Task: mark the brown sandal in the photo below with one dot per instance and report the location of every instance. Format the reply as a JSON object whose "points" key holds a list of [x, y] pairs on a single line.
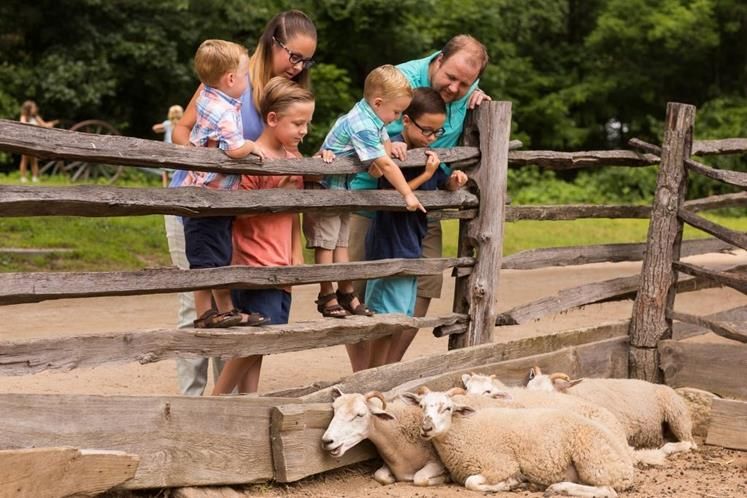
{"points": [[346, 299], [330, 310], [252, 319], [211, 319]]}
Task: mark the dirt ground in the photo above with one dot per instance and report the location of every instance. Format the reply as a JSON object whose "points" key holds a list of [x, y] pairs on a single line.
{"points": [[709, 472]]}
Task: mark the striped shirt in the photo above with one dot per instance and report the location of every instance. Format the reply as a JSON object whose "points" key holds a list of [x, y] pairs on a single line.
{"points": [[218, 120], [360, 133]]}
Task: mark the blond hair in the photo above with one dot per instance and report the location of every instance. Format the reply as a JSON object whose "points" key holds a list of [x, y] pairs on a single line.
{"points": [[283, 27], [280, 93], [387, 82], [175, 113], [214, 58]]}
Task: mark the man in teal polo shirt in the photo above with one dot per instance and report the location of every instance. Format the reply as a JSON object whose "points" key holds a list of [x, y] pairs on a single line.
{"points": [[454, 73]]}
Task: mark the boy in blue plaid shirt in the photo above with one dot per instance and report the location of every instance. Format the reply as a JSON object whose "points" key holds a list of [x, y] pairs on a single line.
{"points": [[359, 133]]}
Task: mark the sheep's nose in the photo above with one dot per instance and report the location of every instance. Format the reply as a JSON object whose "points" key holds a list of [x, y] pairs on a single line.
{"points": [[327, 441]]}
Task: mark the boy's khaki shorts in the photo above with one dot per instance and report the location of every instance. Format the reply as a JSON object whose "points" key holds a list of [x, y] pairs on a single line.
{"points": [[326, 231]]}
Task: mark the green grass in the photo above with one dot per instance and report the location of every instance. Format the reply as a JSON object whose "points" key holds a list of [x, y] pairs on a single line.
{"points": [[136, 242]]}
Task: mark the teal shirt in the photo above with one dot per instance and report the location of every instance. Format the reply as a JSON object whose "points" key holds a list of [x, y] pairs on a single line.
{"points": [[416, 73]]}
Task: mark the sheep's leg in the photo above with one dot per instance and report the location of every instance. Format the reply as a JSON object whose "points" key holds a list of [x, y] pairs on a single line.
{"points": [[384, 475], [654, 457], [580, 490], [671, 448], [477, 482], [433, 473], [677, 416]]}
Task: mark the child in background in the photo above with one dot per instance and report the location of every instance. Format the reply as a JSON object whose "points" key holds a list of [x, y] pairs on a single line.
{"points": [[400, 235], [269, 239], [167, 127], [359, 133], [30, 115], [223, 68]]}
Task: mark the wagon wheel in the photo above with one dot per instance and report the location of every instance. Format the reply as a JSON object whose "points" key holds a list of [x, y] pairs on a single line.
{"points": [[81, 170]]}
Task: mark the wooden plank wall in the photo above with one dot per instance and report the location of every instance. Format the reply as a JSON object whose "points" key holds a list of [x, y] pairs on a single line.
{"points": [[181, 441]]}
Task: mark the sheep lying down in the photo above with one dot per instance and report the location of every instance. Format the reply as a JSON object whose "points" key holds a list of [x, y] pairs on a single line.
{"points": [[644, 409], [394, 428], [499, 449], [489, 386]]}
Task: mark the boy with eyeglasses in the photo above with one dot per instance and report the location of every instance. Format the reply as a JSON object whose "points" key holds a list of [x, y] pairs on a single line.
{"points": [[400, 234]]}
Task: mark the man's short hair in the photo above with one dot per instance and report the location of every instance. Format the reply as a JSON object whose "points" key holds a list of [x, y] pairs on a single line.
{"points": [[214, 58], [477, 54], [425, 100], [386, 82]]}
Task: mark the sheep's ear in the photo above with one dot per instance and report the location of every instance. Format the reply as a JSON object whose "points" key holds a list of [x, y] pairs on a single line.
{"points": [[382, 414], [534, 372], [463, 410], [504, 395], [466, 378], [563, 385], [410, 398], [336, 393]]}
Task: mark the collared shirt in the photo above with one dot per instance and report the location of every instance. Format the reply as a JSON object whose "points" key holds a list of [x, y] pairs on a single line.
{"points": [[360, 132], [219, 120], [416, 72]]}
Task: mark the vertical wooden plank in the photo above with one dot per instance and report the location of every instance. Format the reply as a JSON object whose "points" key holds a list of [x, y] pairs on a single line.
{"points": [[649, 323], [476, 294], [728, 424], [296, 434]]}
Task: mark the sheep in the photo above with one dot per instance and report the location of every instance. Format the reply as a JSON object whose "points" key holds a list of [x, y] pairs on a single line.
{"points": [[491, 386], [394, 428], [498, 449], [643, 408]]}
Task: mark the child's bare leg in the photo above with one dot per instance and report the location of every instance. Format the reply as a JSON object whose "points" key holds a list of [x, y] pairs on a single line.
{"points": [[379, 351], [325, 257], [23, 167], [400, 342], [250, 381], [232, 373], [203, 301], [223, 300], [359, 354], [34, 167]]}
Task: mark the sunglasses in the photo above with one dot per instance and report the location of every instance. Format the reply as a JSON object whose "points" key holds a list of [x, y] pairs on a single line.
{"points": [[427, 132], [293, 57]]}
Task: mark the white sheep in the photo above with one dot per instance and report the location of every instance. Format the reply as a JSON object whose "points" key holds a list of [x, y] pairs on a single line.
{"points": [[643, 408], [394, 428], [532, 398], [497, 449]]}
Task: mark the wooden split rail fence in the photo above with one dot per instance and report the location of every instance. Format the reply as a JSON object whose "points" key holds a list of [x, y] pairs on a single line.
{"points": [[183, 441]]}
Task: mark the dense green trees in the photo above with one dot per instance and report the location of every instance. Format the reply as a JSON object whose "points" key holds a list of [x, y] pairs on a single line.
{"points": [[581, 74]]}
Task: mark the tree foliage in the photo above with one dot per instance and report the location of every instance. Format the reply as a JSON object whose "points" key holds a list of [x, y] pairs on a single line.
{"points": [[581, 74]]}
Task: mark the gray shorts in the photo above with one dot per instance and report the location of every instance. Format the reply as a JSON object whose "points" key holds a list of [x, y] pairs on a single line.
{"points": [[326, 231]]}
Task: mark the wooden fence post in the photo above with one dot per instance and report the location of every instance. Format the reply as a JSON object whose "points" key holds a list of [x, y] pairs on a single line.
{"points": [[476, 293], [649, 323]]}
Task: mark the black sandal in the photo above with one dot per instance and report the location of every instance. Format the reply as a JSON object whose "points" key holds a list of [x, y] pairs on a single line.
{"points": [[327, 310], [346, 299]]}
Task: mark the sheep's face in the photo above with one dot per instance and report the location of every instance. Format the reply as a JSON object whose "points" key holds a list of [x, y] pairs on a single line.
{"points": [[559, 382], [484, 385], [351, 422], [438, 409]]}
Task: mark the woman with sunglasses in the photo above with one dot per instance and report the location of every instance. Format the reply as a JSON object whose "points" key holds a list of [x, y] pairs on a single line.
{"points": [[285, 49]]}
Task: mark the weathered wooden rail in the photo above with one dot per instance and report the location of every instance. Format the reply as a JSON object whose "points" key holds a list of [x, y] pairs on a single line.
{"points": [[193, 441]]}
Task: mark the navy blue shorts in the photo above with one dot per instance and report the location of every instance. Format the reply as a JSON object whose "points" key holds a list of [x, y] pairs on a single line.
{"points": [[273, 303], [208, 241]]}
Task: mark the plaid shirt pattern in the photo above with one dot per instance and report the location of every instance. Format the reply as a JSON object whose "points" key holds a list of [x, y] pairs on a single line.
{"points": [[359, 132], [219, 120]]}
